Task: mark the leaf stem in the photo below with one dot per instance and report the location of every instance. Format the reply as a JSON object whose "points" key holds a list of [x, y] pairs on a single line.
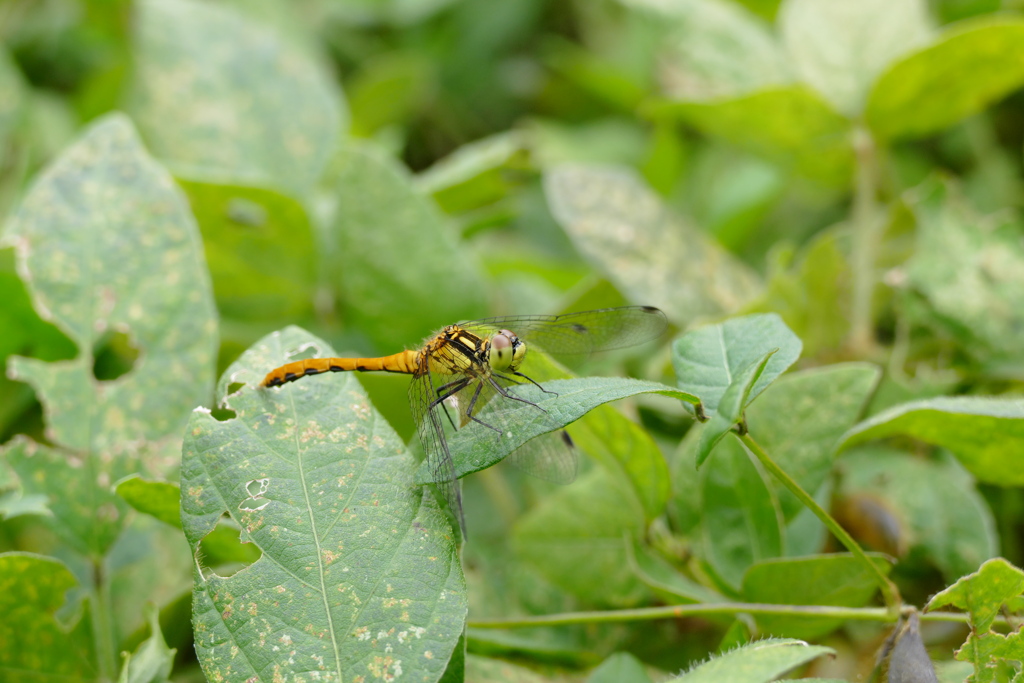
{"points": [[880, 614], [890, 593], [103, 623], [866, 225]]}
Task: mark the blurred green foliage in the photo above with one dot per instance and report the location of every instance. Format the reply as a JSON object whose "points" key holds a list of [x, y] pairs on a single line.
{"points": [[180, 179]]}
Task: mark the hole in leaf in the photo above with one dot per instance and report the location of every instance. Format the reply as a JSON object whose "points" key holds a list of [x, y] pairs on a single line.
{"points": [[223, 414], [114, 355], [223, 551], [246, 213], [234, 387]]}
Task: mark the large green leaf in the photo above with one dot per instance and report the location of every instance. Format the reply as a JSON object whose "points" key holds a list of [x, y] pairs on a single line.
{"points": [[652, 255], [758, 662], [37, 647], [985, 434], [978, 293], [260, 250], [839, 48], [105, 243], [594, 518], [399, 268], [741, 521], [475, 447], [945, 517], [716, 49], [708, 359], [253, 109], [790, 124], [801, 418], [359, 574], [969, 66], [838, 580], [11, 97]]}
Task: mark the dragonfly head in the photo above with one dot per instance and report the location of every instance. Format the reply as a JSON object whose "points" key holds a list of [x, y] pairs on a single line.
{"points": [[507, 351]]}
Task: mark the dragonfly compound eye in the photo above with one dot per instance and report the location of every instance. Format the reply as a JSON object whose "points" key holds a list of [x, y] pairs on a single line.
{"points": [[507, 351]]}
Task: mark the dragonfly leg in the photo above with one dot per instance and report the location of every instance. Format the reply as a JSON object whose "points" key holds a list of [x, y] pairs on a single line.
{"points": [[472, 405], [448, 390], [534, 383], [504, 392]]}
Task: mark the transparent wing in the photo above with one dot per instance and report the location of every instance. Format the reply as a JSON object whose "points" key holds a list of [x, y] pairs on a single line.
{"points": [[492, 408], [552, 457], [429, 416], [582, 332]]}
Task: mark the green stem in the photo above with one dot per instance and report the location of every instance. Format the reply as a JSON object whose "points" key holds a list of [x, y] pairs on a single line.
{"points": [[889, 591], [880, 614], [103, 624], [866, 232]]}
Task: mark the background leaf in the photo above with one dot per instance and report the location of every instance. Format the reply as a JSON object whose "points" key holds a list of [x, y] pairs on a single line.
{"points": [[620, 225], [967, 67], [983, 433], [390, 303], [251, 110]]}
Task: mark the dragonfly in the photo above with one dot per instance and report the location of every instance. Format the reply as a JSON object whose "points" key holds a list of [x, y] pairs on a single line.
{"points": [[474, 368]]}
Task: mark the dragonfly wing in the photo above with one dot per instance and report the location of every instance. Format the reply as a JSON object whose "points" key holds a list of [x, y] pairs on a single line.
{"points": [[498, 410], [582, 332], [428, 413], [552, 457]]}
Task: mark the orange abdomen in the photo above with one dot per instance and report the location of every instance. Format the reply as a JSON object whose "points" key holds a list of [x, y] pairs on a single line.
{"points": [[404, 362]]}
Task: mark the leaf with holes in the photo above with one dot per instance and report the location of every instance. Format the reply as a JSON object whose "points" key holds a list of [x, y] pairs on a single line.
{"points": [[105, 244], [359, 575]]}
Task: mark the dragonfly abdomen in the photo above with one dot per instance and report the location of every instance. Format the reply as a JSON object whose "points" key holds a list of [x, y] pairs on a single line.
{"points": [[403, 362]]}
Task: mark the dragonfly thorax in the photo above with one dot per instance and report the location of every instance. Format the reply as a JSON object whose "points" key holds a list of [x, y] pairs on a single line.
{"points": [[506, 351]]}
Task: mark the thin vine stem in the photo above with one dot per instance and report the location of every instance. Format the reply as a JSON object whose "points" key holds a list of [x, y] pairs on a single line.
{"points": [[879, 614], [890, 593]]}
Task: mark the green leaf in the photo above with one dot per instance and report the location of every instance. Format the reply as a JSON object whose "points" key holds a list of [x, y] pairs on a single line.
{"points": [[730, 410], [979, 291], [359, 571], [392, 299], [12, 98], [985, 434], [838, 580], [813, 293], [741, 521], [36, 646], [620, 667], [594, 517], [716, 49], [801, 418], [945, 516], [486, 670], [160, 499], [619, 444], [152, 660], [790, 124], [105, 243], [839, 48], [475, 174], [969, 66], [982, 593], [475, 447], [672, 585], [253, 110], [650, 254], [260, 250], [763, 660], [708, 359]]}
